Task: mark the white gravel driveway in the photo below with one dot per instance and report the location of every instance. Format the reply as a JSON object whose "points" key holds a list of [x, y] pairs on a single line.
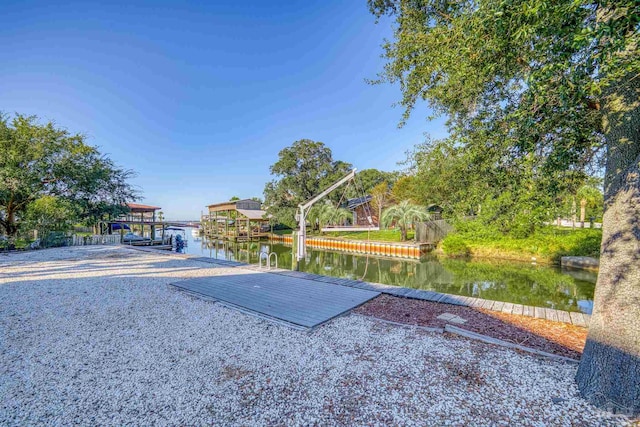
{"points": [[95, 336]]}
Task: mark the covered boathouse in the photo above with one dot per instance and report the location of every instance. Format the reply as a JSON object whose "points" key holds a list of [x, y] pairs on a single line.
{"points": [[138, 219], [236, 220]]}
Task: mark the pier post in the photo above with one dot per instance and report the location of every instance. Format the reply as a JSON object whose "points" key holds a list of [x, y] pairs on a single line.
{"points": [[294, 251]]}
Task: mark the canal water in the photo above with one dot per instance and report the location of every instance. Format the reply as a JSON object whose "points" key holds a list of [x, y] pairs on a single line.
{"points": [[515, 282]]}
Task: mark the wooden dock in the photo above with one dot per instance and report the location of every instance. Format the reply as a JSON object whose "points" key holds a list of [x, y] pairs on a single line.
{"points": [[298, 301]]}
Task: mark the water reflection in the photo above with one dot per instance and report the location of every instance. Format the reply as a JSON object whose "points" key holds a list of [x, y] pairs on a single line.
{"points": [[520, 283]]}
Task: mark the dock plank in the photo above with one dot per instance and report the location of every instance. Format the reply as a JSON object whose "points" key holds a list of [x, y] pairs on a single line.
{"points": [[488, 304], [507, 308], [577, 319], [517, 309], [551, 314], [467, 301], [563, 316], [476, 302], [498, 306]]}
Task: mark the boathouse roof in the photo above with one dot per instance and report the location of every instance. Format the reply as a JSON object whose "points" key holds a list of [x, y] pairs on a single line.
{"points": [[248, 204], [137, 207], [253, 213], [248, 208]]}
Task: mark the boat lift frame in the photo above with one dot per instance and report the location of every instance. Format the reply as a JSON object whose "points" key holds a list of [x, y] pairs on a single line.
{"points": [[303, 210]]}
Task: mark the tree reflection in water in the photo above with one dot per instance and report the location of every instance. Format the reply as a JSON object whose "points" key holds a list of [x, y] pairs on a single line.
{"points": [[521, 283]]}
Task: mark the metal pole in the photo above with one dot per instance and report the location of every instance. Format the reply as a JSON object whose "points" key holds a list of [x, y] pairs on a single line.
{"points": [[302, 236]]}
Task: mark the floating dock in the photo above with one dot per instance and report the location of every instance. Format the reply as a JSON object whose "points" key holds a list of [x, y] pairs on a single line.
{"points": [[298, 301]]}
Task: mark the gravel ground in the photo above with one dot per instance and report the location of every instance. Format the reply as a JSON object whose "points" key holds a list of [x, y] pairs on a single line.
{"points": [[94, 336]]}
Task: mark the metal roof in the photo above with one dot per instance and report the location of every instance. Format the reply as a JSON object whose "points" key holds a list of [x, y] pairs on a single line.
{"points": [[253, 213], [137, 207], [354, 203], [231, 202]]}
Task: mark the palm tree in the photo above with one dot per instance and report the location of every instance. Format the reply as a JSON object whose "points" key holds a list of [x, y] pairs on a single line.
{"points": [[335, 216], [590, 197], [325, 213], [320, 214], [404, 215]]}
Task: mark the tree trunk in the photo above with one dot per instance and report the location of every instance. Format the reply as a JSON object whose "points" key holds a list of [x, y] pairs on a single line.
{"points": [[609, 371], [403, 233], [10, 227]]}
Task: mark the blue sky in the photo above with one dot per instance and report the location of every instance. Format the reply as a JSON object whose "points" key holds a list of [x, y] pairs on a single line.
{"points": [[199, 97]]}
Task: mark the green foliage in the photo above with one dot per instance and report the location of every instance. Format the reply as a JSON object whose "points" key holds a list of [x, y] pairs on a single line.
{"points": [[368, 179], [54, 239], [282, 232], [380, 195], [547, 244], [593, 198], [405, 188], [404, 215], [41, 160], [445, 177], [521, 83], [48, 214], [303, 170], [326, 214], [456, 244]]}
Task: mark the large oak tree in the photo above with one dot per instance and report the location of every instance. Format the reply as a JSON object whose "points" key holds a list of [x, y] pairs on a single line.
{"points": [[545, 87], [39, 160], [302, 171]]}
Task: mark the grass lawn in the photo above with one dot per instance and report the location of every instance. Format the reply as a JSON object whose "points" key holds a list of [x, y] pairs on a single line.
{"points": [[282, 232], [379, 236]]}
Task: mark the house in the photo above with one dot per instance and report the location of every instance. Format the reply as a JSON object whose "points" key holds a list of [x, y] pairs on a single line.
{"points": [[435, 211], [363, 214]]}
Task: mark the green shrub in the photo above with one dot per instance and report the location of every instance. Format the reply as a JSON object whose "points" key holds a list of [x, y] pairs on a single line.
{"points": [[546, 244], [456, 245], [55, 239]]}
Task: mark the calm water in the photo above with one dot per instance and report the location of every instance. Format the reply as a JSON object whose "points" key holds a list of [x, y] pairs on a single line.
{"points": [[520, 283]]}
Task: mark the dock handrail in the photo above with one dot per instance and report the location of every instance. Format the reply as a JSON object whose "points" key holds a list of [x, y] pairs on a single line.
{"points": [[267, 259]]}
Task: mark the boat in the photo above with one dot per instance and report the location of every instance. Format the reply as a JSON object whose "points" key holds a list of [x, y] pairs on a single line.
{"points": [[134, 239]]}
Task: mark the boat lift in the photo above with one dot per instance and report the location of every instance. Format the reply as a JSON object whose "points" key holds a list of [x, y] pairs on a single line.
{"points": [[303, 210]]}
